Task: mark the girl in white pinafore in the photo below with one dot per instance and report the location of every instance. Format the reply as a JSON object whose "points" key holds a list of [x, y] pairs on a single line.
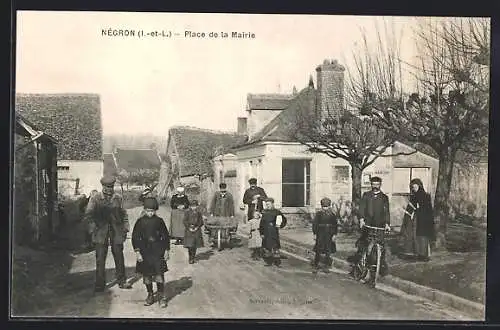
{"points": [[254, 239]]}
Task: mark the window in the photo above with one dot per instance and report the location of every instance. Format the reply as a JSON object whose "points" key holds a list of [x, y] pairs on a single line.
{"points": [[403, 175], [296, 182], [341, 174], [63, 168]]}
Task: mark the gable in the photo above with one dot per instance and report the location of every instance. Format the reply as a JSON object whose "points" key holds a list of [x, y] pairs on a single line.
{"points": [[74, 120], [280, 128]]}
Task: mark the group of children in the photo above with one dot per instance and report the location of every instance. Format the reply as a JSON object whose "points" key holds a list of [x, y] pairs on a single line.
{"points": [[151, 240], [263, 238]]}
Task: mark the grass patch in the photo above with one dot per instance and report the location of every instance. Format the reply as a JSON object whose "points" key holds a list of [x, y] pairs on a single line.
{"points": [[465, 276]]}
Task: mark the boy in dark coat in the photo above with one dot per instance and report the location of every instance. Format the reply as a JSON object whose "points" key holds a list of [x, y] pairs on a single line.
{"points": [[151, 243], [325, 230], [193, 221], [270, 223]]}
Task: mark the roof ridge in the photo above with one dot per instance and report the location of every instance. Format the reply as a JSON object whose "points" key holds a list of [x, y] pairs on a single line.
{"points": [[272, 95], [207, 130], [58, 94]]}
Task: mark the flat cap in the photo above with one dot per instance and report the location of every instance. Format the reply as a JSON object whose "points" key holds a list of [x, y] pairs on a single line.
{"points": [[326, 202], [269, 199], [252, 181], [108, 181]]}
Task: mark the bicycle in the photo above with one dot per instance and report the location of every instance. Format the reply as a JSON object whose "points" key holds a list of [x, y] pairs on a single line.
{"points": [[362, 267]]}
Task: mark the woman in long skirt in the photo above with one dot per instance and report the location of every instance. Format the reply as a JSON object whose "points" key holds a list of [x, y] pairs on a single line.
{"points": [[179, 204], [418, 224]]}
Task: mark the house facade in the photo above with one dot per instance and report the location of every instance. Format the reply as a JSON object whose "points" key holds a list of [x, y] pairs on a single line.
{"points": [[189, 161], [35, 184], [298, 179], [74, 120]]}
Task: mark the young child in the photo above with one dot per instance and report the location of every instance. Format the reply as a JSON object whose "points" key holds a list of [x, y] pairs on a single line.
{"points": [[254, 239], [325, 229], [270, 223], [193, 221], [151, 243]]}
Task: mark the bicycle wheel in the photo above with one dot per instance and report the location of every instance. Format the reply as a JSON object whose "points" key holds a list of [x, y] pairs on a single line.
{"points": [[376, 274], [219, 239], [360, 268]]}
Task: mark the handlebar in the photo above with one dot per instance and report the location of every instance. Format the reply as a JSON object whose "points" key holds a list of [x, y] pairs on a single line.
{"points": [[376, 228]]}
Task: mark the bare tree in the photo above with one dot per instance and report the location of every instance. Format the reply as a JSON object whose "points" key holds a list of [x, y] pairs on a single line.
{"points": [[449, 107], [341, 134]]}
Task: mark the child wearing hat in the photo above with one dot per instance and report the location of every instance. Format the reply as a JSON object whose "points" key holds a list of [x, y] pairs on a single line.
{"points": [[271, 221], [151, 243], [254, 239], [325, 230], [193, 221]]}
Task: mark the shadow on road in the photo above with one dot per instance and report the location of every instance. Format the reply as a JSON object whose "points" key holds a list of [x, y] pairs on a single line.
{"points": [[176, 287], [205, 255], [43, 286]]}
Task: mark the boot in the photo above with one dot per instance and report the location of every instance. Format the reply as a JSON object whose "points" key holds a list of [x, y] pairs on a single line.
{"points": [[149, 299]]}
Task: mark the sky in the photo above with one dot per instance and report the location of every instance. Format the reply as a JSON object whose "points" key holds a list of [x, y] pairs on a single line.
{"points": [[149, 84]]}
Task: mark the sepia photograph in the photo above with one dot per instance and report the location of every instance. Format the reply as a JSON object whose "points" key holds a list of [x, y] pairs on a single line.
{"points": [[249, 166]]}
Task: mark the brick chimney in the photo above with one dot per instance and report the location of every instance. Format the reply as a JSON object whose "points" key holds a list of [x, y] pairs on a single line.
{"points": [[242, 125], [330, 84]]}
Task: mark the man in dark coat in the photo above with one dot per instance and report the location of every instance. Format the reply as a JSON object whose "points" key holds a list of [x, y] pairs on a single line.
{"points": [[151, 243], [193, 221], [373, 211], [222, 204], [179, 204], [253, 198], [108, 224], [325, 229], [271, 221]]}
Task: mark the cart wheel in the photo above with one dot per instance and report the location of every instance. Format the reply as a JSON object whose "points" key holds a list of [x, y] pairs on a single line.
{"points": [[219, 239]]}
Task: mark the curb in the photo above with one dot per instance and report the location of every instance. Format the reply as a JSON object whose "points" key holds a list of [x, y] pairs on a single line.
{"points": [[444, 298]]}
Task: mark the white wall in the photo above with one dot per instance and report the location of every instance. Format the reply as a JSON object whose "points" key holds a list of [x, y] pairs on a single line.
{"points": [[257, 119], [89, 173], [323, 183]]}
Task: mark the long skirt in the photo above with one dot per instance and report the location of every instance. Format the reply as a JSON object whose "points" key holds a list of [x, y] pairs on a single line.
{"points": [[408, 236], [177, 228], [423, 248]]}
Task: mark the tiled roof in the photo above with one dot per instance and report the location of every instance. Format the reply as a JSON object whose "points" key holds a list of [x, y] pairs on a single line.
{"points": [[279, 129], [74, 120], [134, 159], [109, 165], [268, 101], [196, 147]]}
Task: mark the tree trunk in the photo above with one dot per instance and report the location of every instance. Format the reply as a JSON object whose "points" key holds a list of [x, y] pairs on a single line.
{"points": [[441, 200], [356, 175]]}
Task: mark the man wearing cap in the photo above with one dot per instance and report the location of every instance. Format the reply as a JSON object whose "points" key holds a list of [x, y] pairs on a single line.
{"points": [[253, 198], [222, 204], [374, 212], [179, 204], [108, 225]]}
